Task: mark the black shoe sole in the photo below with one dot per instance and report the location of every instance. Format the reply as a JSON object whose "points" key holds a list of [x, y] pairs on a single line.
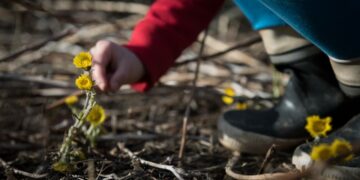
{"points": [[239, 140]]}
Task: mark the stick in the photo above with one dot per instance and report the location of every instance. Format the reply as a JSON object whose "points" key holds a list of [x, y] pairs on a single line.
{"points": [[36, 79], [5, 165], [107, 6], [34, 7], [193, 91], [62, 101], [268, 176], [131, 136], [37, 45], [174, 170], [220, 53], [236, 56], [269, 154]]}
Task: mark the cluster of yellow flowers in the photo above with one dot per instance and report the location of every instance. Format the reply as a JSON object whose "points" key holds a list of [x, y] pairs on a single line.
{"points": [[339, 149], [229, 99], [91, 112], [83, 61]]}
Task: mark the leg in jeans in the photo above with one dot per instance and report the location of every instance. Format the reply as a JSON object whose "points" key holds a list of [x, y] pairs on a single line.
{"points": [[312, 89], [333, 26]]}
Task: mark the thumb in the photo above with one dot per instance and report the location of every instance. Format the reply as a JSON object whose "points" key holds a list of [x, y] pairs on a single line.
{"points": [[101, 58], [117, 79]]}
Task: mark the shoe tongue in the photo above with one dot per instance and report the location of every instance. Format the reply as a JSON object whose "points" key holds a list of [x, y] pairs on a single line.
{"points": [[350, 131], [353, 163]]}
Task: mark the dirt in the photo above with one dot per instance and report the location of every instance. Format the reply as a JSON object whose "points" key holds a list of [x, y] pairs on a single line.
{"points": [[148, 124]]}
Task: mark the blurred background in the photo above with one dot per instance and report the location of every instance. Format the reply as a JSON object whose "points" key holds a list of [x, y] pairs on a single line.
{"points": [[38, 40]]}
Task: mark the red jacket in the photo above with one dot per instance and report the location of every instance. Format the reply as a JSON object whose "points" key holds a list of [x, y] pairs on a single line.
{"points": [[167, 29]]}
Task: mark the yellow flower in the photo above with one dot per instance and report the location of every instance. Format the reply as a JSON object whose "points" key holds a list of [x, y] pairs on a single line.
{"points": [[70, 100], [78, 154], [228, 99], [321, 152], [62, 167], [96, 116], [342, 148], [84, 82], [83, 60], [317, 126], [241, 106]]}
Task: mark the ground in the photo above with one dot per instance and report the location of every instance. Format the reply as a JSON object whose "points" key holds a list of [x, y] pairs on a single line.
{"points": [[38, 42]]}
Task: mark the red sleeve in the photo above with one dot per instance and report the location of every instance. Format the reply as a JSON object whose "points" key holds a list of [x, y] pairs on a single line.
{"points": [[167, 29]]}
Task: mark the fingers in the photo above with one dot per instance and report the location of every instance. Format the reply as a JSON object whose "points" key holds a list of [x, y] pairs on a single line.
{"points": [[114, 65], [117, 79], [101, 53]]}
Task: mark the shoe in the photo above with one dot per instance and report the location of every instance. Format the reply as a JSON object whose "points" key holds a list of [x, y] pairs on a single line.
{"points": [[346, 171], [311, 90]]}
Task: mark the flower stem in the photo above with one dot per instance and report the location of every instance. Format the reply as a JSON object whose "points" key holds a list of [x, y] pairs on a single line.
{"points": [[79, 122]]}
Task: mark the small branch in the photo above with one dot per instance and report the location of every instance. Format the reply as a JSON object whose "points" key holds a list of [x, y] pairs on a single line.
{"points": [[174, 170], [131, 136], [37, 45], [36, 79], [269, 176], [34, 7], [193, 91], [62, 101], [220, 53], [5, 165], [267, 158]]}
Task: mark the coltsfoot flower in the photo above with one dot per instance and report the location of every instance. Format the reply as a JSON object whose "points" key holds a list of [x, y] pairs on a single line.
{"points": [[229, 94], [321, 152], [62, 167], [241, 106], [318, 127], [70, 100], [84, 82], [342, 148], [96, 116], [78, 154], [83, 60]]}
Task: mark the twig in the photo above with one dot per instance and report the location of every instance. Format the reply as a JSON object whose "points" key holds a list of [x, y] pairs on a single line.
{"points": [[5, 165], [37, 45], [36, 79], [18, 146], [91, 169], [101, 5], [236, 56], [34, 7], [131, 136], [220, 53], [193, 91], [174, 170], [267, 158], [268, 176]]}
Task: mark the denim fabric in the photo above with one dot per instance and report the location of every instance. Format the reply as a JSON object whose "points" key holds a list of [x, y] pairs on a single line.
{"points": [[259, 16], [331, 25]]}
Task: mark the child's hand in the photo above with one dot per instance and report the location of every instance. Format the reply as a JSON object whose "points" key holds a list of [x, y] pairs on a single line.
{"points": [[114, 65]]}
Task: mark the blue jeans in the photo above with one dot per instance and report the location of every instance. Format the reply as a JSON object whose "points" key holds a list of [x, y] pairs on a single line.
{"points": [[331, 25]]}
